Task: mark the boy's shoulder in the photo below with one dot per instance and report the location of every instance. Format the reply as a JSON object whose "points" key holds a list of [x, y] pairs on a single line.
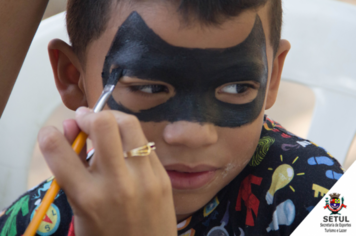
{"points": [[287, 175], [280, 149], [15, 219]]}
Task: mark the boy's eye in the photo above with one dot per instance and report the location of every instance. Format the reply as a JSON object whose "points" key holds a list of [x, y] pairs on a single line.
{"points": [[238, 93], [235, 88], [150, 88], [137, 94]]}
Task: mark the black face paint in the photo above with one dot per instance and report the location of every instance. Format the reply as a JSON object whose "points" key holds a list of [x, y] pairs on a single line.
{"points": [[194, 73]]}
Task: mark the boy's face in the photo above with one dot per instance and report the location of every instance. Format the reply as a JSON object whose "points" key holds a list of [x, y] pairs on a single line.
{"points": [[201, 105]]}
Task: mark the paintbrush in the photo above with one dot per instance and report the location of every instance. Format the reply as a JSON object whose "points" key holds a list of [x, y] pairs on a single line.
{"points": [[77, 146]]}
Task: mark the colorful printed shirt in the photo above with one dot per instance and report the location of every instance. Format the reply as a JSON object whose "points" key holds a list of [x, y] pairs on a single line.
{"points": [[286, 177]]}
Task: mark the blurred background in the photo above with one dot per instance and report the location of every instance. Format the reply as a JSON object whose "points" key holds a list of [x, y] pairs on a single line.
{"points": [[293, 109]]}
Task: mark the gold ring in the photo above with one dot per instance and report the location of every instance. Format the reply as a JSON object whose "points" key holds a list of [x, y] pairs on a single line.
{"points": [[141, 151]]}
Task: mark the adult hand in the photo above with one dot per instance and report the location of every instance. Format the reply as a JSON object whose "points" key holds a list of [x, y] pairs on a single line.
{"points": [[114, 195]]}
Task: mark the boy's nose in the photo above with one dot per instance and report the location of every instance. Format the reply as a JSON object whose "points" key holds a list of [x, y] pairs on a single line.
{"points": [[190, 134]]}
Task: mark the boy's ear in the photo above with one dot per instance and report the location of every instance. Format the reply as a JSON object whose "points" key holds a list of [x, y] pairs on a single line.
{"points": [[68, 74], [278, 63]]}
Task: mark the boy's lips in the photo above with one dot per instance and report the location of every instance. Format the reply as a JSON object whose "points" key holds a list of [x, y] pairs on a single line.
{"points": [[185, 177]]}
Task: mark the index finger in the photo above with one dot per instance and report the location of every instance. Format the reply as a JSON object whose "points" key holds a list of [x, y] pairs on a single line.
{"points": [[66, 166]]}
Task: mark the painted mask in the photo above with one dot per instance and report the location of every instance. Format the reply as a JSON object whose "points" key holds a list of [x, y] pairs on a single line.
{"points": [[193, 72]]}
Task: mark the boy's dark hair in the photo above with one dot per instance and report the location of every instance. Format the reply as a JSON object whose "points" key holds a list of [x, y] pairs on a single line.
{"points": [[87, 19]]}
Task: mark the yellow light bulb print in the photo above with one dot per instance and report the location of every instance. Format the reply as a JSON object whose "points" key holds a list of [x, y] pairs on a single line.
{"points": [[280, 178]]}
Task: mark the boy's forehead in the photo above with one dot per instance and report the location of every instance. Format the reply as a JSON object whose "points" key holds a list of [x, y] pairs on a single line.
{"points": [[167, 23]]}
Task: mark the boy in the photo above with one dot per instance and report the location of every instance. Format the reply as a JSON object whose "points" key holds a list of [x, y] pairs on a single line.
{"points": [[196, 82]]}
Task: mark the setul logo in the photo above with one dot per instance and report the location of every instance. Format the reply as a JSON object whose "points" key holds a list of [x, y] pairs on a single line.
{"points": [[335, 205], [335, 222]]}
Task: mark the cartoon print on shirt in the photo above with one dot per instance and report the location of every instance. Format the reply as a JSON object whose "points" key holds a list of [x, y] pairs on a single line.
{"points": [[285, 135], [220, 230], [333, 175], [50, 222], [304, 143], [287, 147], [242, 233], [319, 189], [283, 215], [210, 207], [184, 223], [322, 160], [270, 125], [273, 126], [213, 216], [281, 177], [262, 148], [71, 228], [190, 232], [310, 208], [251, 201], [10, 228], [299, 144], [44, 189]]}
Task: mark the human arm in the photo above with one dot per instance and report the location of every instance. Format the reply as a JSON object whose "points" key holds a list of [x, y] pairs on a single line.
{"points": [[132, 196], [19, 21]]}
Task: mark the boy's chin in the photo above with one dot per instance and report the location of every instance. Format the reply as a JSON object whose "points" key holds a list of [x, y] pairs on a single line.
{"points": [[187, 204], [189, 200]]}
